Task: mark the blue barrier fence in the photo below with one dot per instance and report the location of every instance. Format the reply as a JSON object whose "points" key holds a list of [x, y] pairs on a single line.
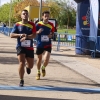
{"points": [[5, 30], [92, 45], [64, 39], [86, 45]]}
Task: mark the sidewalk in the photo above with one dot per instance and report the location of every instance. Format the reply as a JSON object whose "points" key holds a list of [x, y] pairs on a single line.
{"points": [[62, 82], [83, 64]]}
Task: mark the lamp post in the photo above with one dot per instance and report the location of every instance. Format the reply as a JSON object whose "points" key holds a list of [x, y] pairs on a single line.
{"points": [[40, 10], [10, 16], [0, 3]]}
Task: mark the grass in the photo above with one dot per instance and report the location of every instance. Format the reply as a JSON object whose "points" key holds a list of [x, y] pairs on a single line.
{"points": [[64, 40], [70, 31]]}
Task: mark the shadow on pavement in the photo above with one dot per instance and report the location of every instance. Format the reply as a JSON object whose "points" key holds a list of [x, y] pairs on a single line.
{"points": [[5, 97], [12, 52], [77, 83], [8, 60], [68, 55]]}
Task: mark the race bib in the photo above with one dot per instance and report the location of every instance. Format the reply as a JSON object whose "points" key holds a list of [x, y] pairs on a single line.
{"points": [[44, 38], [26, 43]]}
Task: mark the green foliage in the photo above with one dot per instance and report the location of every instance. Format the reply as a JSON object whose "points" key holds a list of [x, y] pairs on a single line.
{"points": [[5, 12], [64, 12], [64, 30], [59, 9]]}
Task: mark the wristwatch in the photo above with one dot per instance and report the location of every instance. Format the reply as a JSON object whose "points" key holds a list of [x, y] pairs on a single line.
{"points": [[26, 36], [20, 35]]}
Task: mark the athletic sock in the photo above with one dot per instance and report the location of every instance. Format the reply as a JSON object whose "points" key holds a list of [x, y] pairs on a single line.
{"points": [[43, 67], [22, 79], [38, 71]]}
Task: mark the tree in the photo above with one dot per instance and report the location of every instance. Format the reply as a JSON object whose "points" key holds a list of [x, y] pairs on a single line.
{"points": [[59, 9], [67, 15], [24, 3], [54, 8], [5, 11]]}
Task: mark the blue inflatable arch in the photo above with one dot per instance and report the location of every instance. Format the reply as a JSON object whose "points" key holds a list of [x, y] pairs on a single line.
{"points": [[86, 25]]}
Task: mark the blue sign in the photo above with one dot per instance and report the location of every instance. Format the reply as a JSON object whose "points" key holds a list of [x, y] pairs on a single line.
{"points": [[82, 27]]}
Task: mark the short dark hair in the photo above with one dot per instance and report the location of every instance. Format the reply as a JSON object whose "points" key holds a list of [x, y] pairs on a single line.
{"points": [[45, 12], [25, 10]]}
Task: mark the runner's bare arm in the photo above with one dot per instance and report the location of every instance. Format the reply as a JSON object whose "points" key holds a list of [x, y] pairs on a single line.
{"points": [[28, 37], [39, 31], [15, 35], [33, 35]]}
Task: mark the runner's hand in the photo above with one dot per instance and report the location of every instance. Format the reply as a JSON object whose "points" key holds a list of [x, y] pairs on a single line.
{"points": [[22, 39], [50, 35], [40, 30], [22, 35]]}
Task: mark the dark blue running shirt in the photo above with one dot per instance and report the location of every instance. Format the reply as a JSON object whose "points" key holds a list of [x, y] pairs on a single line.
{"points": [[20, 28], [42, 39]]}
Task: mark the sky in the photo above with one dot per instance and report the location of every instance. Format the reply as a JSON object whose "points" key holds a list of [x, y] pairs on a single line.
{"points": [[5, 1]]}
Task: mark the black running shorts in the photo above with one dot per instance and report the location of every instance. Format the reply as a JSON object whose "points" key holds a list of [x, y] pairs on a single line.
{"points": [[27, 52], [41, 50]]}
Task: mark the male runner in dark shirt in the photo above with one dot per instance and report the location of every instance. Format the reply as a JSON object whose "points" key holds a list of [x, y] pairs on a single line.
{"points": [[24, 31], [45, 30]]}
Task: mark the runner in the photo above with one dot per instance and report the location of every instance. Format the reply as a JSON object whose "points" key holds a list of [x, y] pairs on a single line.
{"points": [[44, 33], [24, 31]]}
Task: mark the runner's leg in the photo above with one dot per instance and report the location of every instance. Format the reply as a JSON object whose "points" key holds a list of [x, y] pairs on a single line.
{"points": [[21, 59], [30, 63], [46, 58], [39, 53], [29, 60], [45, 63], [39, 60]]}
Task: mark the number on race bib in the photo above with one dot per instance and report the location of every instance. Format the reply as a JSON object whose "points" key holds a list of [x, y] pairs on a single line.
{"points": [[44, 38], [26, 43]]}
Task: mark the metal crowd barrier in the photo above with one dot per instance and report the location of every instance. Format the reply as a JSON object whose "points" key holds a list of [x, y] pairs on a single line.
{"points": [[5, 30], [87, 44], [98, 44], [92, 44], [64, 39], [0, 29]]}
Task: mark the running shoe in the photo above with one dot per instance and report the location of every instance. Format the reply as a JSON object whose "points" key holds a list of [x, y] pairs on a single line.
{"points": [[43, 72], [21, 84], [28, 70], [38, 76]]}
